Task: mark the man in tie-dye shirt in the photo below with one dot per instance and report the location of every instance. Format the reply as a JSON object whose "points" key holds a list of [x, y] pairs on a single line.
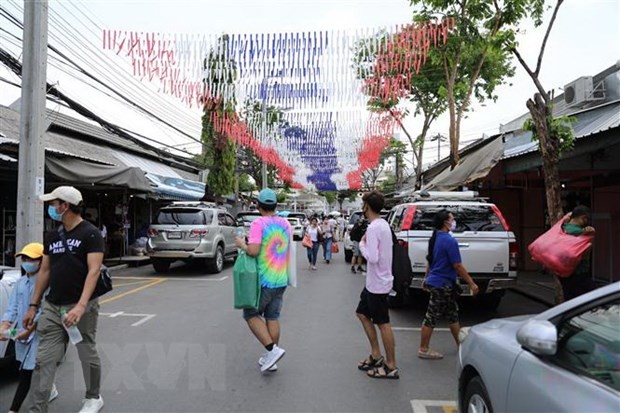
{"points": [[269, 241]]}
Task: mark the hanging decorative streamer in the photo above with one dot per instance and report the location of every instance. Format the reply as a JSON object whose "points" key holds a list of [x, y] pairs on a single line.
{"points": [[316, 84]]}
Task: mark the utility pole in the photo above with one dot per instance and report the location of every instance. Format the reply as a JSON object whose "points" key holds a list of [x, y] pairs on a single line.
{"points": [[31, 178], [264, 165]]}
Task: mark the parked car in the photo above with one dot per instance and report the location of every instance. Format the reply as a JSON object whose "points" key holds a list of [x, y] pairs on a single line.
{"points": [[192, 230], [246, 218], [348, 244], [566, 359], [297, 228], [488, 248], [8, 278]]}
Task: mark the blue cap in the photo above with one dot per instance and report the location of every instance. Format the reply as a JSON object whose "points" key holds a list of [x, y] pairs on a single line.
{"points": [[267, 197]]}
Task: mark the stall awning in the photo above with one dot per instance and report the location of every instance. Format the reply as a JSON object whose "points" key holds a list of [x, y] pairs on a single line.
{"points": [[78, 171], [176, 189], [475, 165]]}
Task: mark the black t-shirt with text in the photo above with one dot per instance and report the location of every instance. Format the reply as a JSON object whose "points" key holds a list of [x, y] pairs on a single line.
{"points": [[68, 271]]}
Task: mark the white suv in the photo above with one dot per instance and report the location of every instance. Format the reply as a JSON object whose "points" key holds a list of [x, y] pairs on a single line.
{"points": [[488, 248]]}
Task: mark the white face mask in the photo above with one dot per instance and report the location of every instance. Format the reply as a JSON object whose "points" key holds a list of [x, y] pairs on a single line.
{"points": [[453, 226]]}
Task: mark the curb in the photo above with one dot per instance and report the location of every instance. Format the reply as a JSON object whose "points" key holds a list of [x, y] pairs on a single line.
{"points": [[118, 267], [533, 297]]}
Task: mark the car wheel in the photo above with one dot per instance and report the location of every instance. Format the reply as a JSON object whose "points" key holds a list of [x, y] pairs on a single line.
{"points": [[216, 264], [476, 397], [160, 264], [348, 255]]}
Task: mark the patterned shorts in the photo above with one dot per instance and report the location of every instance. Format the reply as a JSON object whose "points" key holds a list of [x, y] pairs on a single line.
{"points": [[442, 304]]}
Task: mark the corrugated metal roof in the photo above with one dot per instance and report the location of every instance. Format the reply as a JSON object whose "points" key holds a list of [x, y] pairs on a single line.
{"points": [[7, 158], [588, 123]]}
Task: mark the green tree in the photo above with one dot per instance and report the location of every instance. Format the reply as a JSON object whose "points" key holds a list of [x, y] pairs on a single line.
{"points": [[343, 194], [423, 89], [370, 176], [330, 196], [282, 196], [554, 135], [218, 148], [245, 185], [475, 60]]}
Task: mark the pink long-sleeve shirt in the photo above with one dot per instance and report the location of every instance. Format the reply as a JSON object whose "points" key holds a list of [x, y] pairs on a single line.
{"points": [[377, 249]]}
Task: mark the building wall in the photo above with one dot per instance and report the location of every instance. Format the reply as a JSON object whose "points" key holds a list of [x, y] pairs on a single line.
{"points": [[606, 221]]}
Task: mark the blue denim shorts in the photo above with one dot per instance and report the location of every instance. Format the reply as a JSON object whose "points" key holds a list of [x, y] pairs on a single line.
{"points": [[269, 306]]}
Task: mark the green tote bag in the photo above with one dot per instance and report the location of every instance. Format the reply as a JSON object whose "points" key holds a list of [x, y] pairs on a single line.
{"points": [[247, 284]]}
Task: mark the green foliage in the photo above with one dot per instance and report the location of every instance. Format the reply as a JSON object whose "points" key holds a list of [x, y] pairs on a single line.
{"points": [[281, 196], [389, 185], [560, 129], [219, 150], [330, 196], [245, 185]]}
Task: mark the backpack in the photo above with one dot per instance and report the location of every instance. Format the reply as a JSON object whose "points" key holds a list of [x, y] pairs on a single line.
{"points": [[358, 230], [401, 267]]}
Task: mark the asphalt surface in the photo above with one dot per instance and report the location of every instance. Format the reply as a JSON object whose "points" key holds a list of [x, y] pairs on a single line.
{"points": [[173, 343]]}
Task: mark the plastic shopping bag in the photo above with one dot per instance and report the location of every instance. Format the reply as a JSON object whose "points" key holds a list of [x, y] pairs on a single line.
{"points": [[292, 264], [558, 251], [246, 282], [335, 248]]}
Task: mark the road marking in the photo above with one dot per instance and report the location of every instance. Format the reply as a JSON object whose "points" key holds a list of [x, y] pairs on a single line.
{"points": [[132, 283], [145, 317], [420, 406], [171, 278], [135, 290], [440, 329]]}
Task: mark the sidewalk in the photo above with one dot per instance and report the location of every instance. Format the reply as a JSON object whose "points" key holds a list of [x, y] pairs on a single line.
{"points": [[536, 286]]}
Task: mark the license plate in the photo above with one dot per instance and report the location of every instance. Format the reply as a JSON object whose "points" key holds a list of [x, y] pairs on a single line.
{"points": [[174, 235]]}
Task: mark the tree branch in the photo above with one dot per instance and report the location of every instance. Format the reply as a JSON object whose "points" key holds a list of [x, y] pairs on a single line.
{"points": [[544, 43], [533, 75]]}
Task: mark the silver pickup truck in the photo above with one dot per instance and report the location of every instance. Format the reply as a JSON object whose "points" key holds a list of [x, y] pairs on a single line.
{"points": [[488, 248]]}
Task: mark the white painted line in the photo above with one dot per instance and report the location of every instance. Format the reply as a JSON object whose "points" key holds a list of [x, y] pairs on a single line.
{"points": [[116, 314], [144, 320], [419, 406], [440, 329], [197, 279]]}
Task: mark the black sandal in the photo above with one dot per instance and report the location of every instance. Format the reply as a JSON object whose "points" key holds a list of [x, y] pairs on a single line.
{"points": [[384, 372], [370, 363]]}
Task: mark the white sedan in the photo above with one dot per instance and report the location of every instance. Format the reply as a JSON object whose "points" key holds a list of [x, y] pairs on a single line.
{"points": [[8, 278]]}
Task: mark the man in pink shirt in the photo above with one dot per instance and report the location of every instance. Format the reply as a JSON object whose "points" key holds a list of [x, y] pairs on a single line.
{"points": [[376, 247]]}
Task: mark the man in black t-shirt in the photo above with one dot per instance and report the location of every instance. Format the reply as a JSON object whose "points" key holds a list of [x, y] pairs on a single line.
{"points": [[70, 268]]}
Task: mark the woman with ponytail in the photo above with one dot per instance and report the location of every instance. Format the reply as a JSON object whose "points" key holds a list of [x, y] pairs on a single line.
{"points": [[444, 264]]}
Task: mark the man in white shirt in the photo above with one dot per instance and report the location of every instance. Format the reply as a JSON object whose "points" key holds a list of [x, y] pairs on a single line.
{"points": [[376, 247]]}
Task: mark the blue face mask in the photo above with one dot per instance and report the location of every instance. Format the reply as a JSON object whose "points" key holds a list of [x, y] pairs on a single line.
{"points": [[30, 267], [53, 213]]}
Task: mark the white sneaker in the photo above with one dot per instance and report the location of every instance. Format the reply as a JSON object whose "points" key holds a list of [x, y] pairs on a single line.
{"points": [[91, 405], [53, 394], [261, 361], [272, 357]]}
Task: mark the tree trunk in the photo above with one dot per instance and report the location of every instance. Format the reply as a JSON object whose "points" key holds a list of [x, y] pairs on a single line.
{"points": [[420, 149], [550, 153], [454, 143]]}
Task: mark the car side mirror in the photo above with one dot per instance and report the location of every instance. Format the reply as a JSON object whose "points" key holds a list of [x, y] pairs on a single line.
{"points": [[538, 336]]}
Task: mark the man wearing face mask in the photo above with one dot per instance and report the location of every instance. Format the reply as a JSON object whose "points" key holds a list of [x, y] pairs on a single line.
{"points": [[71, 277], [580, 281]]}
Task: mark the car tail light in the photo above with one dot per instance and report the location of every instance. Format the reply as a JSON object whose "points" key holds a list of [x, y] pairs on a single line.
{"points": [[501, 217], [198, 233], [409, 216], [152, 233], [513, 249]]}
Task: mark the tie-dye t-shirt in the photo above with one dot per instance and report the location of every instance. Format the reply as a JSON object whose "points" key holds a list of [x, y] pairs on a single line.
{"points": [[273, 233]]}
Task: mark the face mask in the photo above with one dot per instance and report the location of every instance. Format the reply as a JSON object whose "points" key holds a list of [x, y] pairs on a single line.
{"points": [[30, 267], [53, 213], [453, 226]]}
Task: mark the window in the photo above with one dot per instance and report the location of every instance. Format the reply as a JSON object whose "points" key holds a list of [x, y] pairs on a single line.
{"points": [[221, 219], [398, 218], [468, 217], [356, 216], [182, 216], [589, 343], [230, 221]]}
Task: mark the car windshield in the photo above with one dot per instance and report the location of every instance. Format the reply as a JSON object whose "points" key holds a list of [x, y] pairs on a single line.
{"points": [[248, 217], [293, 221], [468, 217], [183, 216]]}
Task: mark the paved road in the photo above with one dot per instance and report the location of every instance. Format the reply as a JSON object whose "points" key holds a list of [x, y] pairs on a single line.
{"points": [[173, 343]]}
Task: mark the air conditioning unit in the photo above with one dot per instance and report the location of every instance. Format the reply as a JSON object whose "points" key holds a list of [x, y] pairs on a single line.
{"points": [[579, 91]]}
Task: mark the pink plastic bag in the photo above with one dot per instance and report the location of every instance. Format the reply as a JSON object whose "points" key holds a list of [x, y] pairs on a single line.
{"points": [[558, 251]]}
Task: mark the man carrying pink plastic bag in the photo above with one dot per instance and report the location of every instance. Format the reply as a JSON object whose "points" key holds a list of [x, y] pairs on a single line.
{"points": [[564, 250]]}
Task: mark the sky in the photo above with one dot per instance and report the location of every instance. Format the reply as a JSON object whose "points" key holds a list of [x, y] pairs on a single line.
{"points": [[585, 40]]}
